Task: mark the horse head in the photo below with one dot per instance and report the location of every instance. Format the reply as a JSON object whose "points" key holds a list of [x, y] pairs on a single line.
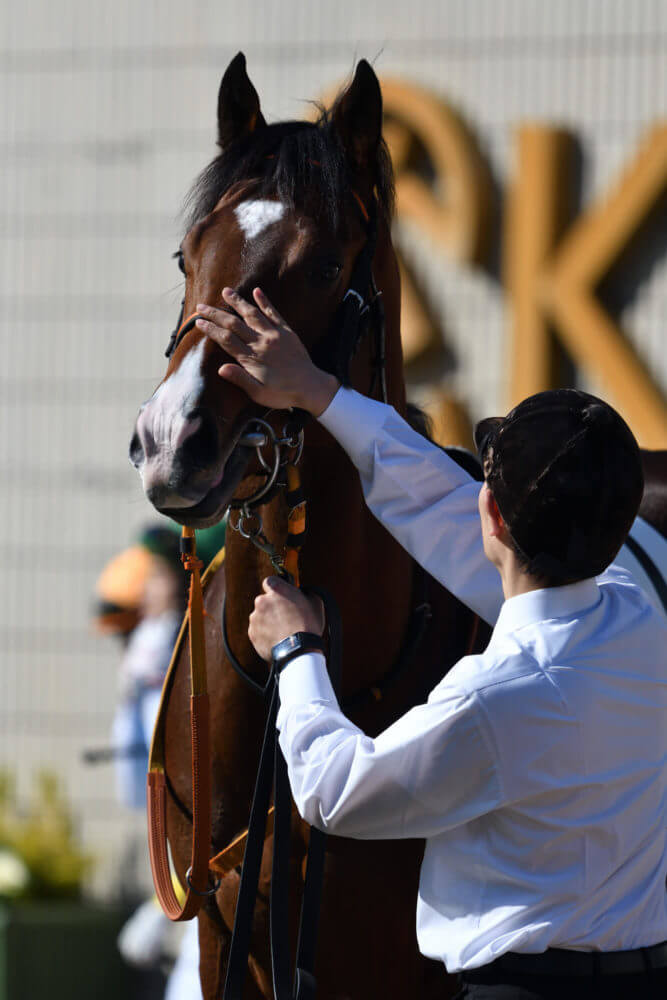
{"points": [[288, 207]]}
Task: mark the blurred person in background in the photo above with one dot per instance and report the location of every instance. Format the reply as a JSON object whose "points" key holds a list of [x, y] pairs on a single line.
{"points": [[145, 661]]}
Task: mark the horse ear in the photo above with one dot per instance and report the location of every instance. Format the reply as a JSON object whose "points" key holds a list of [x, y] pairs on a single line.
{"points": [[357, 116], [238, 104]]}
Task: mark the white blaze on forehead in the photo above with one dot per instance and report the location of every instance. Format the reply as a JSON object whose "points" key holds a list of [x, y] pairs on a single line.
{"points": [[256, 215]]}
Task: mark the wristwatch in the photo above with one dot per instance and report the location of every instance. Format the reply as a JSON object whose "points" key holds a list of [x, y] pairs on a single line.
{"points": [[295, 645]]}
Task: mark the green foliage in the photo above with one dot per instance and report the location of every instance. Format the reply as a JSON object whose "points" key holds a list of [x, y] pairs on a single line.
{"points": [[39, 854]]}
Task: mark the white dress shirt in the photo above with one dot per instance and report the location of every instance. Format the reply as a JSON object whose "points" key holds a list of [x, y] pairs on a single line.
{"points": [[536, 771]]}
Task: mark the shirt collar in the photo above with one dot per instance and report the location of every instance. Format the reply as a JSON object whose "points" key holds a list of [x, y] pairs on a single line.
{"points": [[551, 602]]}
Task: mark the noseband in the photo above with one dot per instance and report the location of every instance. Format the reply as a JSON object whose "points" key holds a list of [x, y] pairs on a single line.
{"points": [[281, 467]]}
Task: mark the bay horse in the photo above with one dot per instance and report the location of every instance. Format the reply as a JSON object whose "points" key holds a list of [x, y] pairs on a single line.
{"points": [[286, 207]]}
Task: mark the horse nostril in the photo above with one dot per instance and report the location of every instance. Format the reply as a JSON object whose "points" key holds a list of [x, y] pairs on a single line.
{"points": [[155, 494], [136, 451], [201, 447]]}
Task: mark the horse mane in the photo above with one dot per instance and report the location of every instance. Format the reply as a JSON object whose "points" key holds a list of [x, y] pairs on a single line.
{"points": [[294, 160]]}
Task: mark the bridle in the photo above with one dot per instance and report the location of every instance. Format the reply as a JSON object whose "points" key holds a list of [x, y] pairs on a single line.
{"points": [[361, 309]]}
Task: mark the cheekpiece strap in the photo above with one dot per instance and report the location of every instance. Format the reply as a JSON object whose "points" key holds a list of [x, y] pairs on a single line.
{"points": [[335, 351]]}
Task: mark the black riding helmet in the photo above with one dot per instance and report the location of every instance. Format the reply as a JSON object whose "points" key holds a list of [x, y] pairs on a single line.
{"points": [[565, 471]]}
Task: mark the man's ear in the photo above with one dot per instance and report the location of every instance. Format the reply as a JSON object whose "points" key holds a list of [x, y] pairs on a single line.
{"points": [[239, 113], [357, 116], [496, 526]]}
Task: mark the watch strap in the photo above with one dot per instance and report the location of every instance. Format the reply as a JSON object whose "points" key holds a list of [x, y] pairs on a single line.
{"points": [[295, 645]]}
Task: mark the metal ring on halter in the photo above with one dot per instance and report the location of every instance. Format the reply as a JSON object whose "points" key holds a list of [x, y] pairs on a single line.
{"points": [[295, 442], [258, 445], [244, 517], [230, 523], [271, 471], [211, 891]]}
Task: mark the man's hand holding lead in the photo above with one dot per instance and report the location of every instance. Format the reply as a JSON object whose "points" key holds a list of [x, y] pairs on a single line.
{"points": [[282, 610]]}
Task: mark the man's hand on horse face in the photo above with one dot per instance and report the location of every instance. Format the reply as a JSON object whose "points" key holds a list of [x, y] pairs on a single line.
{"points": [[272, 365], [282, 610]]}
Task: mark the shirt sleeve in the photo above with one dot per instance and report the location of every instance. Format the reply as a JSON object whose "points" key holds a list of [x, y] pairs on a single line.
{"points": [[431, 770], [420, 494]]}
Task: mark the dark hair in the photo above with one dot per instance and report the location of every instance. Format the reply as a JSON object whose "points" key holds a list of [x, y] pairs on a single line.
{"points": [[527, 565], [565, 471], [295, 160], [419, 420]]}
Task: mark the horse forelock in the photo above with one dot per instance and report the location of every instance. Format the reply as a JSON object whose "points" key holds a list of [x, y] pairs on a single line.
{"points": [[295, 162]]}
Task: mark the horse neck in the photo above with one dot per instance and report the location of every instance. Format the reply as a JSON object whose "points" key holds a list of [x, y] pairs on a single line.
{"points": [[346, 550]]}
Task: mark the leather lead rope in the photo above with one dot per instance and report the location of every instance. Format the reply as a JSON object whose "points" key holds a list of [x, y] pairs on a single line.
{"points": [[272, 772], [197, 878], [237, 962], [304, 976]]}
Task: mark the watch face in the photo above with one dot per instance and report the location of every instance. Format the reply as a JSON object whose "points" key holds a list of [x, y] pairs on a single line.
{"points": [[286, 646]]}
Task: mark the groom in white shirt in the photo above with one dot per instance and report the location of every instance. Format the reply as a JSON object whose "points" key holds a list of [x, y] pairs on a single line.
{"points": [[536, 771]]}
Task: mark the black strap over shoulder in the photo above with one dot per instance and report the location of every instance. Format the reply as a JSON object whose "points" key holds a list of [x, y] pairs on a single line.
{"points": [[650, 568]]}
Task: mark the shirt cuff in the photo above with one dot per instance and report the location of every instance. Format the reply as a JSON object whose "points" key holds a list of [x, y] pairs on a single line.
{"points": [[303, 680], [354, 420]]}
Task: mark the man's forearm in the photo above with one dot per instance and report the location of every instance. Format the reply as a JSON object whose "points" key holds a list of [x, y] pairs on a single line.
{"points": [[426, 501], [429, 771]]}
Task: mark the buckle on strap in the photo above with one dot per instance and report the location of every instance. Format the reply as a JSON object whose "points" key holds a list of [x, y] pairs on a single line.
{"points": [[212, 889], [362, 305]]}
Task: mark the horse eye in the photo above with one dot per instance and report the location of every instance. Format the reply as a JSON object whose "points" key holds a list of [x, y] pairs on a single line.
{"points": [[330, 271], [180, 260]]}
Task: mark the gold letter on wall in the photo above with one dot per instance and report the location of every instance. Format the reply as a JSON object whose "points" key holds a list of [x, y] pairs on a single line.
{"points": [[455, 208], [555, 284], [539, 205], [590, 248]]}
